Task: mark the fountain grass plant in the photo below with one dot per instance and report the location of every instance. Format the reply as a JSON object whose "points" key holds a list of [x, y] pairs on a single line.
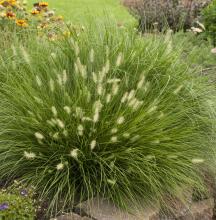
{"points": [[104, 113]]}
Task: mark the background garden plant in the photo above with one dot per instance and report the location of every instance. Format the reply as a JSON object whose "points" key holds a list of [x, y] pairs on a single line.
{"points": [[209, 19], [196, 51], [158, 15]]}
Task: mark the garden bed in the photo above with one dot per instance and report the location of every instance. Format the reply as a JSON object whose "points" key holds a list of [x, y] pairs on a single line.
{"points": [[103, 111]]}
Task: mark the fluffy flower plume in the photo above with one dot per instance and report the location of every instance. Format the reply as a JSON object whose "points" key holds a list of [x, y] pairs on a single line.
{"points": [[80, 129], [29, 155], [60, 166], [38, 80], [91, 55], [52, 85], [74, 153], [93, 144], [120, 120], [67, 109], [39, 136], [119, 59], [197, 160], [54, 111], [114, 139]]}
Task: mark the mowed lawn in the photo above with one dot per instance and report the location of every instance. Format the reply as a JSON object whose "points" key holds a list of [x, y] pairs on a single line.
{"points": [[76, 10]]}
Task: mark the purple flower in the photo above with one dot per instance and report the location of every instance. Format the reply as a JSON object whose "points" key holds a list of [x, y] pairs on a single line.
{"points": [[4, 206], [24, 192]]}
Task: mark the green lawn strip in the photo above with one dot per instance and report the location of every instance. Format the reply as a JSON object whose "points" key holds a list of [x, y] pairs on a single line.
{"points": [[76, 10]]}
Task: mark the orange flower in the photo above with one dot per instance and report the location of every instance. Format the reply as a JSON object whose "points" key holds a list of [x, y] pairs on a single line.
{"points": [[8, 2], [21, 23], [43, 4], [10, 14], [12, 2], [4, 3], [35, 12]]}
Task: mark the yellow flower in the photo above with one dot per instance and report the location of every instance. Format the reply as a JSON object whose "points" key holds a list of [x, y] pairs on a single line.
{"points": [[12, 2], [4, 3], [8, 3], [35, 12], [66, 33], [43, 4], [21, 23]]}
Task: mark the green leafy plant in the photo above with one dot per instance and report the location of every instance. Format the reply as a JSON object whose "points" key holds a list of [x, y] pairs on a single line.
{"points": [[196, 51], [16, 204], [209, 19], [106, 113]]}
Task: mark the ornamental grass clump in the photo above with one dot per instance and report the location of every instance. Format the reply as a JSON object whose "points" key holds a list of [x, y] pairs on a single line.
{"points": [[105, 113]]}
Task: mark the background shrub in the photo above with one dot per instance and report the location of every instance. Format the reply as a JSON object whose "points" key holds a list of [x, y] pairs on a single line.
{"points": [[209, 18], [105, 113], [175, 14]]}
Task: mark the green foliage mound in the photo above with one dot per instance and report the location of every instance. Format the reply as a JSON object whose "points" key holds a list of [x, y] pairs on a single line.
{"points": [[209, 18], [104, 113]]}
